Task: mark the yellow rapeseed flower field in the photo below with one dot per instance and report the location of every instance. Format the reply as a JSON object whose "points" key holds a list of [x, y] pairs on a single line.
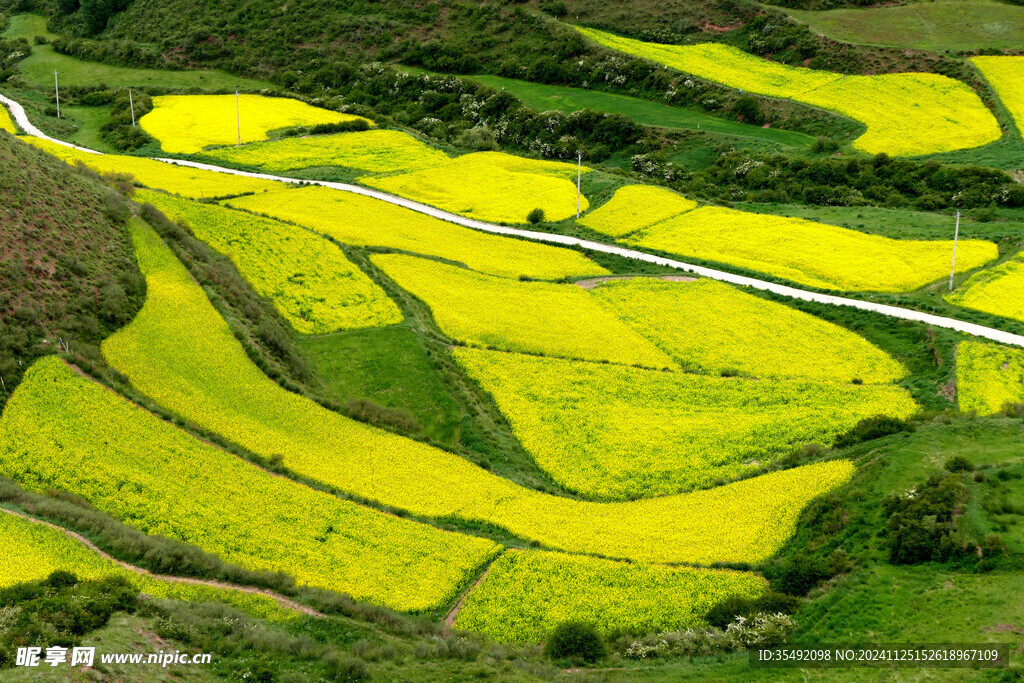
{"points": [[810, 253], [712, 326], [490, 186], [6, 123], [60, 430], [614, 432], [367, 222], [185, 124], [905, 114], [181, 180], [33, 550], [181, 353], [376, 151], [527, 593], [988, 376], [1006, 76], [311, 281], [999, 290], [635, 207], [531, 317]]}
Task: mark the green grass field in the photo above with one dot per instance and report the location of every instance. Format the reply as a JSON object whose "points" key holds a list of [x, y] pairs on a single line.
{"points": [[388, 366], [544, 97], [939, 26], [38, 68]]}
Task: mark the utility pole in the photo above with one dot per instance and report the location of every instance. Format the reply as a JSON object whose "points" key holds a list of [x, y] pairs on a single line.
{"points": [[56, 92], [131, 105], [579, 172], [238, 118], [956, 236]]}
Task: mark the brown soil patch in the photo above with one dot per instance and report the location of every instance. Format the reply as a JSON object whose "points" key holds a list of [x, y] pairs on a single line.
{"points": [[449, 620]]}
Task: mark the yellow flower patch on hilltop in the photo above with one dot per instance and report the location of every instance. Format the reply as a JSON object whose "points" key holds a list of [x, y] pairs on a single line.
{"points": [[906, 114], [188, 182], [185, 124], [527, 593], [531, 317], [635, 207], [988, 377], [367, 222], [810, 253], [309, 280], [179, 352]]}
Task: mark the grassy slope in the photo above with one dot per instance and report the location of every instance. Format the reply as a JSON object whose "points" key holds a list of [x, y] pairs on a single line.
{"points": [[68, 267], [560, 98], [940, 26], [38, 68]]}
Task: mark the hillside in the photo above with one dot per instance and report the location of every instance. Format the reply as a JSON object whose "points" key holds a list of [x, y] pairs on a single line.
{"points": [[69, 272]]}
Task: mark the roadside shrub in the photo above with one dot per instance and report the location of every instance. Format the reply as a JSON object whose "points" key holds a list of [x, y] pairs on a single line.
{"points": [[535, 216], [576, 641], [348, 669], [873, 428]]}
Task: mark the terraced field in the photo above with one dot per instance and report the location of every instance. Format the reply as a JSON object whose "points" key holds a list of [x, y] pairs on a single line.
{"points": [[5, 121], [180, 180], [313, 284], [32, 550], [614, 432], [528, 317], [366, 222], [185, 124], [62, 431], [998, 290], [988, 377], [179, 352], [527, 593], [809, 253], [708, 326], [375, 151], [635, 207], [1006, 75], [905, 114]]}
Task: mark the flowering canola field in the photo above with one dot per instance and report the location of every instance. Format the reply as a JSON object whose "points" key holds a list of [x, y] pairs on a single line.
{"points": [[490, 186], [180, 353], [185, 124], [526, 593], [5, 121], [905, 114], [376, 151], [529, 317], [367, 222], [999, 290], [63, 431], [615, 432], [711, 326], [988, 376], [810, 253], [33, 550], [1006, 76], [635, 207], [180, 180], [310, 281]]}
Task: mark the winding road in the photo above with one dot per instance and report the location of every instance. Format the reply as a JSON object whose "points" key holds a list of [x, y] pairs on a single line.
{"points": [[784, 290]]}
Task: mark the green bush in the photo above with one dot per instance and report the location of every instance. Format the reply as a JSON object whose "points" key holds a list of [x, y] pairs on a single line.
{"points": [[873, 428], [576, 641], [797, 575], [959, 463], [348, 669], [536, 216], [725, 612]]}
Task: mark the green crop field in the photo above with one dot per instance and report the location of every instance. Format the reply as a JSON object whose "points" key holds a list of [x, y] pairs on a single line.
{"points": [[952, 26]]}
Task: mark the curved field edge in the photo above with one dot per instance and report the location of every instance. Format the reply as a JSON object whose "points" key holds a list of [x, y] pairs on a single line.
{"points": [[65, 432], [180, 353], [526, 593], [33, 549]]}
